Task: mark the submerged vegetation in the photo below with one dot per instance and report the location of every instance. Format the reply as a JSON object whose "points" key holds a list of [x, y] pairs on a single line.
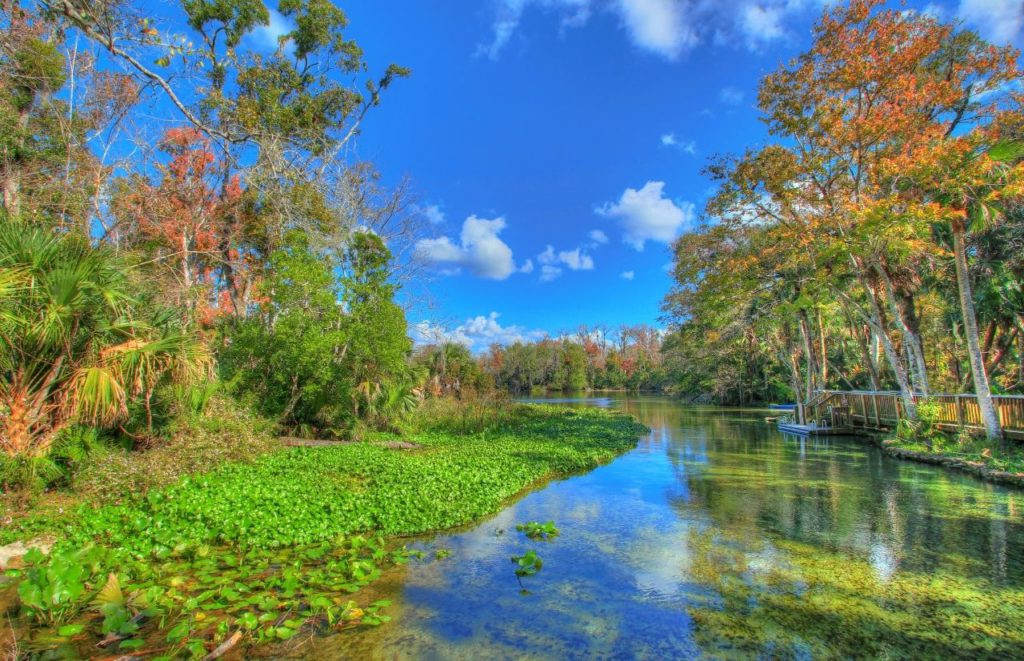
{"points": [[809, 601]]}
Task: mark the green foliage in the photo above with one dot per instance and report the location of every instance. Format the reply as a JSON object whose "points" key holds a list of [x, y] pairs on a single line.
{"points": [[79, 345], [266, 547], [197, 442], [527, 564], [473, 413], [326, 350], [629, 359], [53, 588], [309, 495], [925, 429], [538, 531]]}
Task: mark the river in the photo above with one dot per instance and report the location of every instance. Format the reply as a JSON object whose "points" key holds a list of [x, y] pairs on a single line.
{"points": [[720, 537]]}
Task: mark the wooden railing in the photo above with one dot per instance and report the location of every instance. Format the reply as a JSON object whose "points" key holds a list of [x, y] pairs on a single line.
{"points": [[883, 410]]}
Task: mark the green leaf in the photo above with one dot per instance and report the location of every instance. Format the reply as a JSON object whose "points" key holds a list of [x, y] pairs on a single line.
{"points": [[1006, 151]]}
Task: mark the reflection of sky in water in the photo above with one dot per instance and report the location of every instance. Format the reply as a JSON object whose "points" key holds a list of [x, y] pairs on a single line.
{"points": [[708, 493]]}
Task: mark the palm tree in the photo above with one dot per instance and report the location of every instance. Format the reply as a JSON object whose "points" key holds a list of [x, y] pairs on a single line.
{"points": [[983, 178], [74, 342]]}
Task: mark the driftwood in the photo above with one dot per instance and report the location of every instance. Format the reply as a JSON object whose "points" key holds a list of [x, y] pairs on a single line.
{"points": [[223, 648]]}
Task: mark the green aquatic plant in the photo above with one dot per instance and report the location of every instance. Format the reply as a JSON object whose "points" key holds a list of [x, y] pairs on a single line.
{"points": [[527, 564], [269, 547], [538, 531]]}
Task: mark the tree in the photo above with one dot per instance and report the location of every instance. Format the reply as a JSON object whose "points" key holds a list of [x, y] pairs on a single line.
{"points": [[78, 344]]}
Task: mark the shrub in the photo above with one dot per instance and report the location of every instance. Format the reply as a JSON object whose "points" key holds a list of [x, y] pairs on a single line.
{"points": [[925, 429]]}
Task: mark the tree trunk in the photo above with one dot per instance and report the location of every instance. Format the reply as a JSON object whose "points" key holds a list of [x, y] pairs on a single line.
{"points": [[899, 370], [982, 391], [808, 346], [902, 314]]}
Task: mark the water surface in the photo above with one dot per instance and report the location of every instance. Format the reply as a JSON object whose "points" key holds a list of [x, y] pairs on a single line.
{"points": [[719, 537]]}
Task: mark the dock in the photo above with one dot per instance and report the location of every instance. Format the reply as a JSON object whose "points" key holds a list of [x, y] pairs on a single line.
{"points": [[813, 430], [832, 412]]}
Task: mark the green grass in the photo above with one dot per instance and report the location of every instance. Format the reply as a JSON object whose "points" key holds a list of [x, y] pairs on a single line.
{"points": [[293, 532]]}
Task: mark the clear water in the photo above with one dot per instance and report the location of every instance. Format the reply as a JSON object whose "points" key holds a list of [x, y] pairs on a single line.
{"points": [[719, 537]]}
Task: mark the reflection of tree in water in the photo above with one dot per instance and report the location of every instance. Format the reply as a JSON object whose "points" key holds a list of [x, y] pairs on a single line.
{"points": [[826, 546]]}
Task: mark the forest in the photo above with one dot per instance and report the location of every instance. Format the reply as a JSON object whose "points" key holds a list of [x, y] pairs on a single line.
{"points": [[875, 241], [625, 359], [213, 416]]}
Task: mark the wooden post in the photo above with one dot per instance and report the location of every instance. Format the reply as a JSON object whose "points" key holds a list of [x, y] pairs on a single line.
{"points": [[959, 412], [874, 405]]}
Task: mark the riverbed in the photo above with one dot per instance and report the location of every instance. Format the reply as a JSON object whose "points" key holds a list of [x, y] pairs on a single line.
{"points": [[718, 536]]}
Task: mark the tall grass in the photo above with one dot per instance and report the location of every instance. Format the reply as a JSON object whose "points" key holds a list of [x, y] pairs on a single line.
{"points": [[470, 414]]}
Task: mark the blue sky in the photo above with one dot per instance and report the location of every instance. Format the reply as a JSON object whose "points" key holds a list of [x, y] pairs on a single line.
{"points": [[558, 144]]}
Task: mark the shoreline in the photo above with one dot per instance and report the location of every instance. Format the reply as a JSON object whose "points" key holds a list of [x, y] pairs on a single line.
{"points": [[973, 468]]}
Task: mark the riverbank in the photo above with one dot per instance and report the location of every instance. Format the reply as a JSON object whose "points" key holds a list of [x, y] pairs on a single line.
{"points": [[1007, 469], [287, 541]]}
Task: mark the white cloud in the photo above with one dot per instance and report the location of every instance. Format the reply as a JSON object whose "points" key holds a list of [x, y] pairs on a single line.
{"points": [[432, 212], [686, 146], [552, 262], [668, 28], [761, 24], [266, 37], [527, 266], [598, 236], [576, 260], [647, 215], [998, 21], [549, 273], [731, 96], [477, 333], [658, 26], [509, 13], [479, 249], [627, 275]]}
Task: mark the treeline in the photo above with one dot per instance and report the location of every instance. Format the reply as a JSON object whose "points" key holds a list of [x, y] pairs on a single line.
{"points": [[877, 242], [626, 359], [179, 210]]}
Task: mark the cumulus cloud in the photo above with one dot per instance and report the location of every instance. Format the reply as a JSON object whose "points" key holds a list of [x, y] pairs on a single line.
{"points": [[598, 236], [668, 28], [627, 275], [658, 26], [432, 212], [647, 215], [552, 262], [686, 146], [479, 249], [998, 21], [761, 24], [476, 333]]}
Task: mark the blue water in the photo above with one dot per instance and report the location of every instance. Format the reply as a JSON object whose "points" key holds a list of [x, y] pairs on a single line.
{"points": [[719, 537]]}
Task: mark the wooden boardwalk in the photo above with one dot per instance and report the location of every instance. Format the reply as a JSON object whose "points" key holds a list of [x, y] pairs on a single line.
{"points": [[849, 411]]}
